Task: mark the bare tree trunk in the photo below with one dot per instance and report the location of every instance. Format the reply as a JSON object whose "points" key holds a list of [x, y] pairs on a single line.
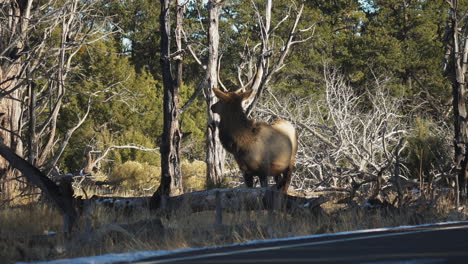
{"points": [[10, 107], [13, 31], [171, 178], [32, 147], [215, 153], [456, 70]]}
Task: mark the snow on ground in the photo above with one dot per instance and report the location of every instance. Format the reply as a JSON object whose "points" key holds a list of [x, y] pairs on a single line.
{"points": [[134, 256]]}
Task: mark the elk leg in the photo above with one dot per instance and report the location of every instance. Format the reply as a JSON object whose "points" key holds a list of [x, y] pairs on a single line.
{"points": [[283, 185], [288, 177], [248, 178], [264, 181], [278, 179]]}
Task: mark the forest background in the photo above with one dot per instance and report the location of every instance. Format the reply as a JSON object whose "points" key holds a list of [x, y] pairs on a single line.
{"points": [[367, 81]]}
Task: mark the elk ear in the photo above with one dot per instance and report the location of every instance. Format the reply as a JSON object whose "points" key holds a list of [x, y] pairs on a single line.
{"points": [[245, 95], [220, 94]]}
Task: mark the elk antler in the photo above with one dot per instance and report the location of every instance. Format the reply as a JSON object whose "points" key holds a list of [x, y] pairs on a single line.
{"points": [[245, 86], [220, 94]]}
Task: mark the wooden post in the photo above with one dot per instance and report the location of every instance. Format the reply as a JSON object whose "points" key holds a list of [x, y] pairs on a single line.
{"points": [[219, 210]]}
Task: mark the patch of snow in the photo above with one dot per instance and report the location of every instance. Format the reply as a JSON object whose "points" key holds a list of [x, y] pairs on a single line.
{"points": [[134, 256], [112, 258], [49, 233]]}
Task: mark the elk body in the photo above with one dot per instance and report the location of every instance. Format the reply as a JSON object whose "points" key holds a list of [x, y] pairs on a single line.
{"points": [[260, 149]]}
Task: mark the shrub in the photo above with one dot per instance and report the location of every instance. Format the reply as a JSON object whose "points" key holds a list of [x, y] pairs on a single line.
{"points": [[428, 150], [133, 175], [194, 175], [136, 176]]}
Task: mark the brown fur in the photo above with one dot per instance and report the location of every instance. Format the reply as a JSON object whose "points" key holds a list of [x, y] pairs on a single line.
{"points": [[260, 149]]}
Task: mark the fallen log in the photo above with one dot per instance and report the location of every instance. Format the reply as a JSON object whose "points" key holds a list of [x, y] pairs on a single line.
{"points": [[217, 199]]}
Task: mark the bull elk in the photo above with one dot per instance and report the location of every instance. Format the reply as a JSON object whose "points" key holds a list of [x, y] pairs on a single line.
{"points": [[260, 149]]}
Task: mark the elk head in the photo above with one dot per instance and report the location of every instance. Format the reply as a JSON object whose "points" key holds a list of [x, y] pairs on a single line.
{"points": [[229, 102]]}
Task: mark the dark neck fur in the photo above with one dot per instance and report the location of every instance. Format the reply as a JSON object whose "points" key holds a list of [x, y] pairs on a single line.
{"points": [[234, 127]]}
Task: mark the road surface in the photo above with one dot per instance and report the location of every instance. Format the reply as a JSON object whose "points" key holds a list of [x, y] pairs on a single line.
{"points": [[445, 243]]}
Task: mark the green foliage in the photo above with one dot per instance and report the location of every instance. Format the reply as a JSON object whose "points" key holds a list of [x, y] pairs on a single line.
{"points": [[193, 121], [133, 175], [139, 38], [427, 151], [125, 108]]}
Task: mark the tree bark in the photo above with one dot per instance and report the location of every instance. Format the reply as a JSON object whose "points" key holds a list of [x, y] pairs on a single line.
{"points": [[456, 71], [32, 146], [11, 109], [171, 178], [14, 31], [215, 153]]}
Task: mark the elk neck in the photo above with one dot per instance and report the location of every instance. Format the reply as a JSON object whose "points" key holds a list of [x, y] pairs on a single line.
{"points": [[236, 130]]}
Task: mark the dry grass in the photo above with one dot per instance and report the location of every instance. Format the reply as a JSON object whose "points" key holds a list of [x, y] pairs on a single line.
{"points": [[22, 230], [22, 233]]}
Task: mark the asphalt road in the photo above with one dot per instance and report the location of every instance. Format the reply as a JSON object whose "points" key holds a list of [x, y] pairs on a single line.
{"points": [[418, 245]]}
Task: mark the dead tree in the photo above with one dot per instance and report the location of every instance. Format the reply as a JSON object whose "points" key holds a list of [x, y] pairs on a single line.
{"points": [[34, 80], [94, 157], [347, 146], [215, 153], [456, 65], [171, 178], [271, 59]]}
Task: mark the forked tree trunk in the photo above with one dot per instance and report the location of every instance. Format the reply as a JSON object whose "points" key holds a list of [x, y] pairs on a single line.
{"points": [[171, 178], [215, 153], [267, 62]]}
